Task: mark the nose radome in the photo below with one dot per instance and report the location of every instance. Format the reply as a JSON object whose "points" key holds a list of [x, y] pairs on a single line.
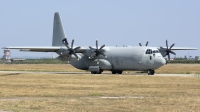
{"points": [[163, 61], [160, 61]]}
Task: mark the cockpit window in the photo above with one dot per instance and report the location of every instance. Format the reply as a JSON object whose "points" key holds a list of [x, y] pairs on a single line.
{"points": [[148, 51], [156, 51]]}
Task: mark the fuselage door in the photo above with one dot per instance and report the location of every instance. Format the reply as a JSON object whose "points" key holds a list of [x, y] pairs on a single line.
{"points": [[149, 57]]}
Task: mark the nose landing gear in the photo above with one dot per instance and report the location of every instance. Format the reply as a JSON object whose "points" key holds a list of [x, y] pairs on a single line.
{"points": [[150, 72]]}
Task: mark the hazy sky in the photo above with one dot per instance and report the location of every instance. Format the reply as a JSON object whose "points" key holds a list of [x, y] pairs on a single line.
{"points": [[112, 22]]}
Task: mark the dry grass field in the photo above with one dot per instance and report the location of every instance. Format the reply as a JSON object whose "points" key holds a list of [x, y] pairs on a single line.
{"points": [[39, 67], [179, 69], [22, 92]]}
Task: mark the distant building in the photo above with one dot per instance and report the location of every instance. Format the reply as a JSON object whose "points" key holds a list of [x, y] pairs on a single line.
{"points": [[6, 55], [197, 58], [191, 58]]}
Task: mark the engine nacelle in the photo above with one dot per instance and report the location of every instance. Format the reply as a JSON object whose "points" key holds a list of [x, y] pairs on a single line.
{"points": [[88, 53], [63, 52], [66, 58]]}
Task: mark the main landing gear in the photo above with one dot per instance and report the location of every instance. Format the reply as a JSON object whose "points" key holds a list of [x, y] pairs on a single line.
{"points": [[150, 72], [97, 72], [117, 72]]}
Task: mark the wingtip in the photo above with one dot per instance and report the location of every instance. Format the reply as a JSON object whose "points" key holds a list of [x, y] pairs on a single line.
{"points": [[4, 48]]}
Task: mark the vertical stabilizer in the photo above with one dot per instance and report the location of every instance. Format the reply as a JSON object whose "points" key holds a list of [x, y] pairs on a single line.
{"points": [[58, 31]]}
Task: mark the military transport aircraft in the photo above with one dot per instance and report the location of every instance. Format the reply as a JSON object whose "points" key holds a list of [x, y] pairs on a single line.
{"points": [[97, 59]]}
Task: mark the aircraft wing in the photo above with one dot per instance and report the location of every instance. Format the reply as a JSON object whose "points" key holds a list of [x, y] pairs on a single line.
{"points": [[182, 48], [43, 49]]}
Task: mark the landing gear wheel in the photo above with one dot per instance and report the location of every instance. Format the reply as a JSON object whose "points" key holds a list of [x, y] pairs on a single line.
{"points": [[100, 71], [93, 72], [150, 72], [114, 72], [119, 72], [97, 72]]}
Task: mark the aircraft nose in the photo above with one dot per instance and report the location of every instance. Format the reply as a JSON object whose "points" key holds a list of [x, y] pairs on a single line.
{"points": [[163, 61], [160, 62]]}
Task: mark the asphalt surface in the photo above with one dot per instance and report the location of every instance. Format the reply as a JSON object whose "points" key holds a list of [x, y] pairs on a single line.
{"points": [[104, 73]]}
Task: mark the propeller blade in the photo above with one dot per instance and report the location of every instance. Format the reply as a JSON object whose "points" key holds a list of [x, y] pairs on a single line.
{"points": [[69, 59], [92, 55], [162, 47], [91, 48], [172, 52], [64, 41], [76, 48], [67, 46], [97, 60], [171, 46], [140, 44], [97, 44], [72, 44], [164, 54], [168, 50], [97, 51], [76, 56], [169, 57], [167, 44], [147, 43], [102, 46], [103, 54]]}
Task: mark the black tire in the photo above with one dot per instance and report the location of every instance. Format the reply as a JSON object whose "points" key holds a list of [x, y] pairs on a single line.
{"points": [[93, 72], [150, 72], [119, 72], [100, 71], [114, 72]]}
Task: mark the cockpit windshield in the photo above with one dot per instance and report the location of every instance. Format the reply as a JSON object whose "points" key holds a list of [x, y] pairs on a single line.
{"points": [[150, 51], [156, 51]]}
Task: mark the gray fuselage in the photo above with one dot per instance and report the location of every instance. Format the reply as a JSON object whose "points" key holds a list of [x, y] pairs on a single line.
{"points": [[123, 58]]}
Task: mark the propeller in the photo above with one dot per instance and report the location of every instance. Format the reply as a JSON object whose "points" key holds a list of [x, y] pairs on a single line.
{"points": [[97, 51], [71, 49], [168, 50], [146, 43]]}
